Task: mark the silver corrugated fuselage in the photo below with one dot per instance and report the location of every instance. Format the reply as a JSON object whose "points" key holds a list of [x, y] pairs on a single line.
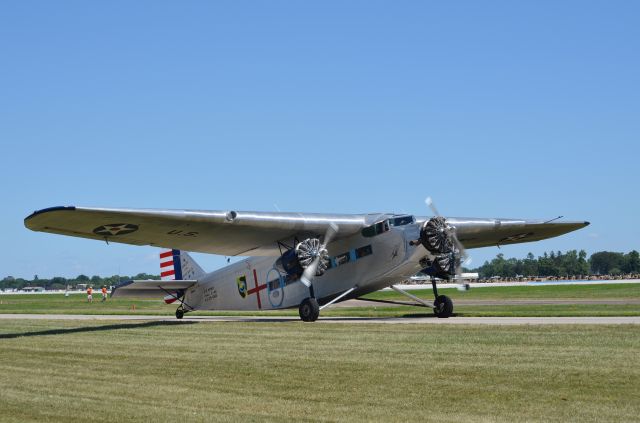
{"points": [[392, 259]]}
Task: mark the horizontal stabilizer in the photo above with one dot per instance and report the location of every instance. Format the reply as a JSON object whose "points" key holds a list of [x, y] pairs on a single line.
{"points": [[151, 288]]}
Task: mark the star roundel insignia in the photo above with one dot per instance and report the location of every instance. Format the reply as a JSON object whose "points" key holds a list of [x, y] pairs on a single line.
{"points": [[114, 229]]}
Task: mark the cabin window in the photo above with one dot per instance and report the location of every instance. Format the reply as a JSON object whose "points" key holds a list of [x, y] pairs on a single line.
{"points": [[364, 251], [290, 279], [375, 229], [274, 284], [342, 259]]}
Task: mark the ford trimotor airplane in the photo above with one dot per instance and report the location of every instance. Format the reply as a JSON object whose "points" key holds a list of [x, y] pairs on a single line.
{"points": [[304, 260]]}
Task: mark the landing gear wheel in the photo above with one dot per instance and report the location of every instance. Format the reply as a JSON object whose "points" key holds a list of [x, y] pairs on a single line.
{"points": [[179, 313], [443, 306], [309, 310]]}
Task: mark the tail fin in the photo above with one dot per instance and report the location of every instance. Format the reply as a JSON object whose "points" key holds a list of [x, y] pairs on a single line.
{"points": [[178, 265]]}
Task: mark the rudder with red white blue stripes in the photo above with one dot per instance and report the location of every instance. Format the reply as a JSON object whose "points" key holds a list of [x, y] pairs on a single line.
{"points": [[178, 265], [170, 266]]}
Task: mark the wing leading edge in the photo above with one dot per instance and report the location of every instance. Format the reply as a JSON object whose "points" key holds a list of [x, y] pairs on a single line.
{"points": [[476, 233], [218, 232], [257, 233]]}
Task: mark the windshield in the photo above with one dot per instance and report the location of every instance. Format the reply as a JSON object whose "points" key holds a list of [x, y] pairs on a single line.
{"points": [[402, 220]]}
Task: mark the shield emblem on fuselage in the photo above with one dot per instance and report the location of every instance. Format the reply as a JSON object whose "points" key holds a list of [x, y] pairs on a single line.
{"points": [[242, 285]]}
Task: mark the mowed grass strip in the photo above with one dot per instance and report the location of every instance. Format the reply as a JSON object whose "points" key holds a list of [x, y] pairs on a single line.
{"points": [[176, 371], [77, 303]]}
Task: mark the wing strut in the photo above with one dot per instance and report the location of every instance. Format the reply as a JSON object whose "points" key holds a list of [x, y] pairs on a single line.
{"points": [[413, 297], [338, 297]]}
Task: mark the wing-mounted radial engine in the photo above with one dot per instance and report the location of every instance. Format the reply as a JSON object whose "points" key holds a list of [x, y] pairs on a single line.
{"points": [[442, 266], [445, 262], [434, 235], [439, 238], [308, 260], [295, 260]]}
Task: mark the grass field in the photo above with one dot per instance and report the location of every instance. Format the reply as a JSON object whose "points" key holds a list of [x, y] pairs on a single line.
{"points": [[593, 292], [76, 303], [182, 371]]}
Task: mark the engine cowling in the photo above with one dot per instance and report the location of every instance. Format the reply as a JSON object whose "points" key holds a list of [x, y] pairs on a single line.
{"points": [[434, 235], [295, 260], [443, 266]]}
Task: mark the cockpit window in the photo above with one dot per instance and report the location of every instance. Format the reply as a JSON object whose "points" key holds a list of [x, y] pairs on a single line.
{"points": [[376, 229], [402, 220]]}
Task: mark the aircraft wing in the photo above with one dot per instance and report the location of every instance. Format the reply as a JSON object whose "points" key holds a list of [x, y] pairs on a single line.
{"points": [[475, 233], [257, 233], [227, 233]]}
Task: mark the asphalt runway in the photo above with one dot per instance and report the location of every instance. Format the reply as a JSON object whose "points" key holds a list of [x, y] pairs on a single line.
{"points": [[426, 319]]}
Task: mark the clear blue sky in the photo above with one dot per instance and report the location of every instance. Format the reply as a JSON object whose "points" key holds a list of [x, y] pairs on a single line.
{"points": [[499, 109]]}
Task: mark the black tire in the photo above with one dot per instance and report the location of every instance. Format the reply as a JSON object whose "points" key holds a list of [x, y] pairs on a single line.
{"points": [[309, 310], [179, 313], [443, 307]]}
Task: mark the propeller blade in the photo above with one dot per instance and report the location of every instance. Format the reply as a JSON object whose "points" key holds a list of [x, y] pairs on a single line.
{"points": [[432, 206], [451, 231], [331, 231], [310, 272], [459, 245], [306, 275]]}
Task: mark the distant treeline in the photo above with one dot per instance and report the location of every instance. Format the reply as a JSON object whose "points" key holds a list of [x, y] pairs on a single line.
{"points": [[571, 263], [58, 282]]}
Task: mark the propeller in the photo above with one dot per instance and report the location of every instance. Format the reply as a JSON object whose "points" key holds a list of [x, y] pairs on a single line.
{"points": [[310, 272], [451, 232]]}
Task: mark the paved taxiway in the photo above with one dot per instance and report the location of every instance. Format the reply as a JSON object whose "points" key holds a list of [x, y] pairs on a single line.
{"points": [[426, 319]]}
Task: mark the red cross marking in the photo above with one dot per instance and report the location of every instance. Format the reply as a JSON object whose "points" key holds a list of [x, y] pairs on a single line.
{"points": [[257, 289]]}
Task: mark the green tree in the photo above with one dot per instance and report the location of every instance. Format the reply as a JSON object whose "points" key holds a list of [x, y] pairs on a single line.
{"points": [[530, 266], [583, 264], [604, 262], [632, 262], [545, 264], [146, 276]]}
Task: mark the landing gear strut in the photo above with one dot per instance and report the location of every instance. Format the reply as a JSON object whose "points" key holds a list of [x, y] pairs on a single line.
{"points": [[442, 306], [309, 310]]}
